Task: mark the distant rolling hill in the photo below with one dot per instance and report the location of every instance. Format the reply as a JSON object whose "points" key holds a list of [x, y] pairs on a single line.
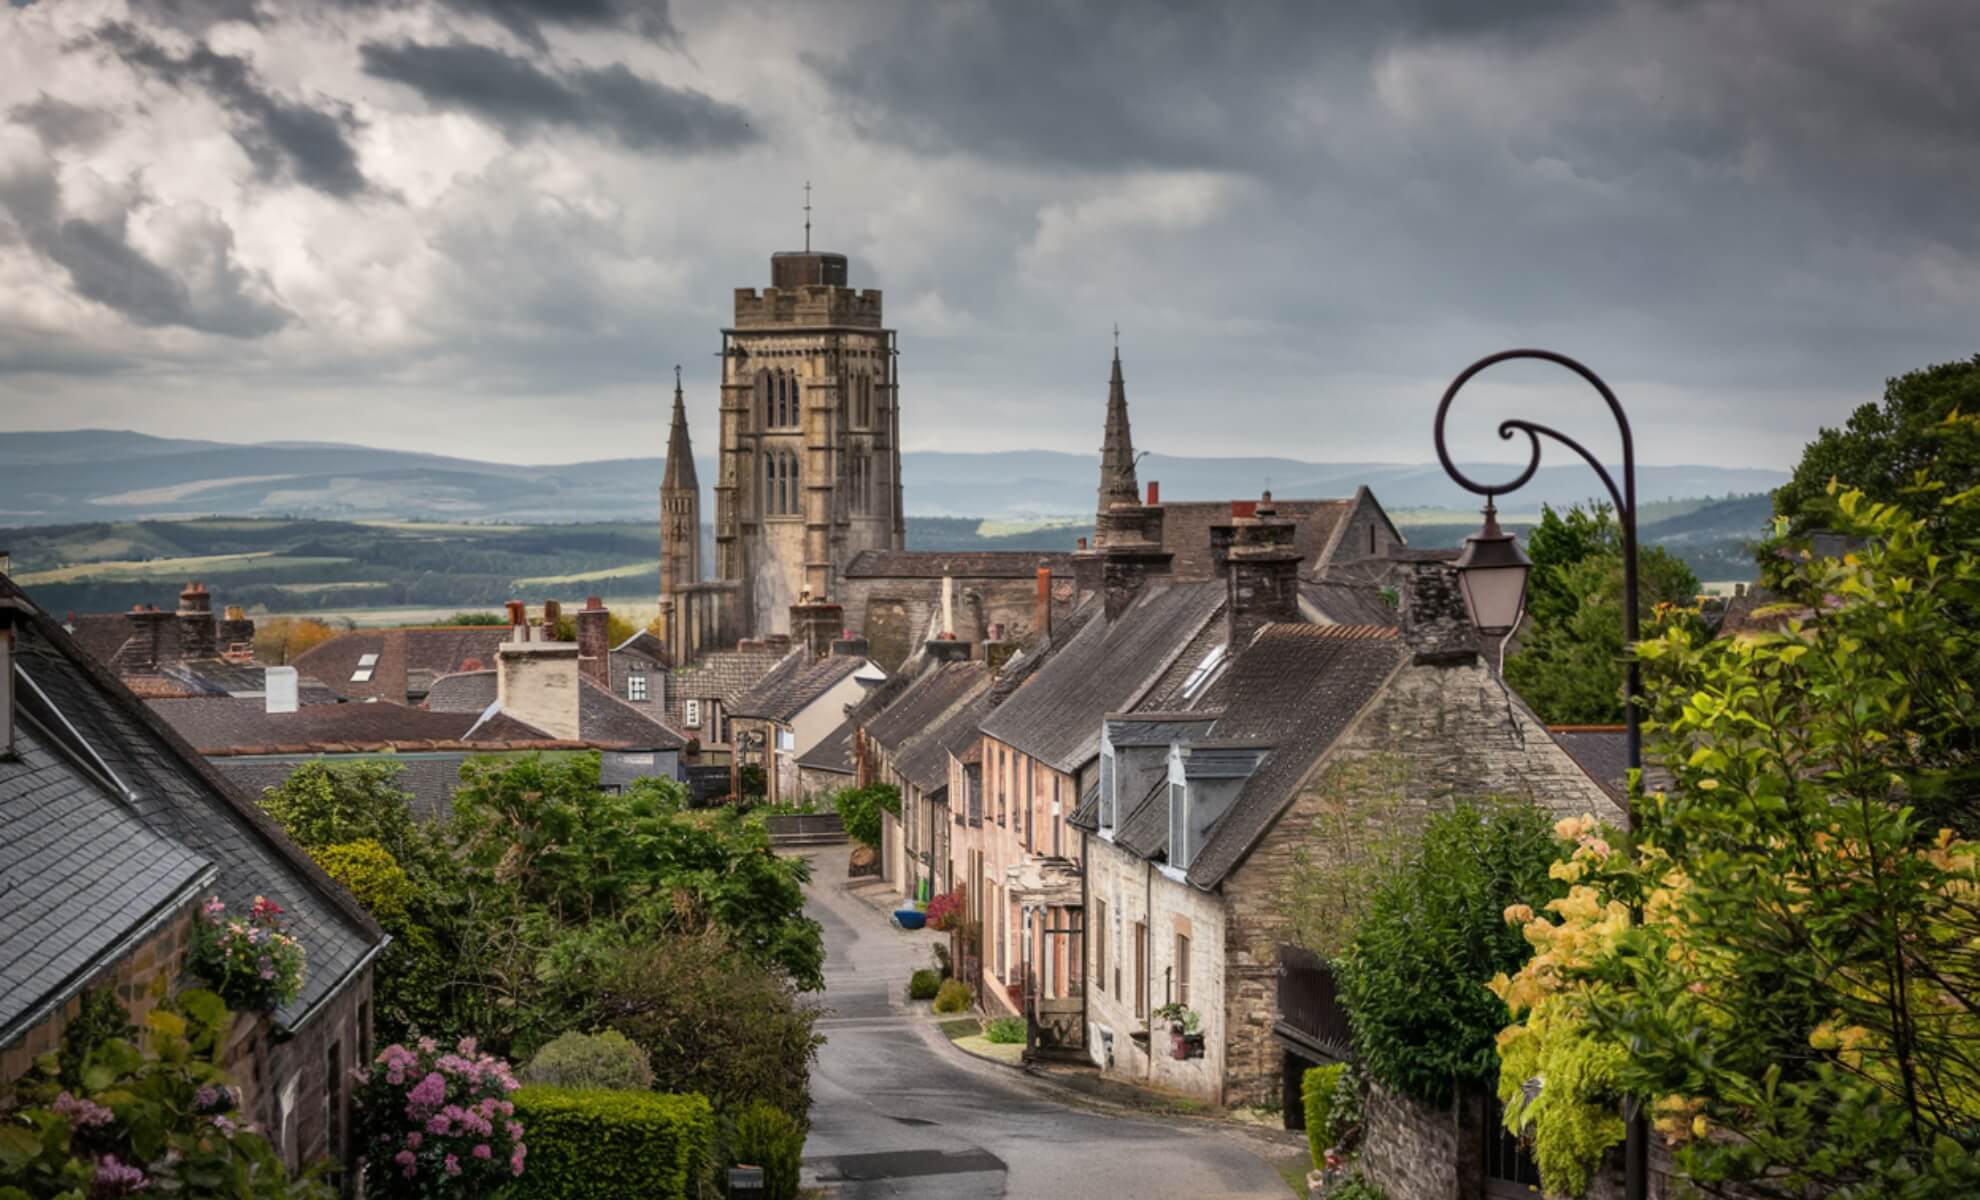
{"points": [[97, 475]]}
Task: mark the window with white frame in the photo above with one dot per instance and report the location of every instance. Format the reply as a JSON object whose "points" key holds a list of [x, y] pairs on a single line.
{"points": [[691, 713], [366, 665], [636, 686], [1202, 672], [786, 740]]}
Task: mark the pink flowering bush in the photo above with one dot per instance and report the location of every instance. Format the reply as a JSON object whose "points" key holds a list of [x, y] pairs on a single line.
{"points": [[438, 1123], [251, 961]]}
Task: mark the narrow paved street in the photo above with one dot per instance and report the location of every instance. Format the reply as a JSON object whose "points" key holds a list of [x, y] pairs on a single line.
{"points": [[896, 1113]]}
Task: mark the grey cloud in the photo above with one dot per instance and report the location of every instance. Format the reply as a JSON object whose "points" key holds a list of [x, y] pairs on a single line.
{"points": [[283, 138], [519, 96], [59, 123], [103, 266]]}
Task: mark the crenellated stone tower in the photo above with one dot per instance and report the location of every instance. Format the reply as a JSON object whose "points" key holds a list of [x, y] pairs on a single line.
{"points": [[810, 453]]}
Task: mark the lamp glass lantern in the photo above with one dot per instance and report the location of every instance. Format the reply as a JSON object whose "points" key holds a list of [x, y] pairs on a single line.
{"points": [[1492, 571]]}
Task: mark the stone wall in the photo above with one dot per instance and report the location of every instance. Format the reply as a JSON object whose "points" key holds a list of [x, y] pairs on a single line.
{"points": [[133, 976], [1457, 734], [1413, 1151], [306, 1099]]}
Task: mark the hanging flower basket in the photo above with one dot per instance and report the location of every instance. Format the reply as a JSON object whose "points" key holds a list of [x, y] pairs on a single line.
{"points": [[252, 961]]}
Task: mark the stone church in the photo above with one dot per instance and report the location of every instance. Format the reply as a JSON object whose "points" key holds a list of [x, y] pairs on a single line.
{"points": [[810, 537]]}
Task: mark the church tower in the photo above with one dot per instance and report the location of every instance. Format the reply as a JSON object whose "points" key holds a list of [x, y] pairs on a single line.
{"points": [[680, 527], [1118, 484], [810, 454]]}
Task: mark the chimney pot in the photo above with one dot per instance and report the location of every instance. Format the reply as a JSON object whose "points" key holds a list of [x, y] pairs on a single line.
{"points": [[1154, 491], [1082, 543], [593, 602], [1041, 617], [280, 688]]}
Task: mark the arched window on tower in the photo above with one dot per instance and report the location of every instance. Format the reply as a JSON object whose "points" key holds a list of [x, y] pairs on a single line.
{"points": [[790, 398], [791, 478], [762, 406]]}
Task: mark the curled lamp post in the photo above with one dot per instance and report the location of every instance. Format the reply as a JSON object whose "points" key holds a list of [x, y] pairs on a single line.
{"points": [[1492, 574]]}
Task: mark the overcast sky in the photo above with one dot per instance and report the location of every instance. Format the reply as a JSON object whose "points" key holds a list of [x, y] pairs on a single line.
{"points": [[492, 227]]}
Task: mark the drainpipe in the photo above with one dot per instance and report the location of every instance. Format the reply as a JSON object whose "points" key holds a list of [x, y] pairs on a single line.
{"points": [[1148, 958], [1085, 959]]}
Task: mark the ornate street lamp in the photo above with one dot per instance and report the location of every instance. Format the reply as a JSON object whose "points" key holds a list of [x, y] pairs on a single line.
{"points": [[1492, 573]]}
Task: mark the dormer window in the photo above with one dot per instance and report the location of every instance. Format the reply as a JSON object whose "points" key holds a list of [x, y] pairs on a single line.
{"points": [[636, 687], [366, 665]]}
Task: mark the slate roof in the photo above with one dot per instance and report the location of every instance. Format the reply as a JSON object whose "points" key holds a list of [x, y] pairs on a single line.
{"points": [[461, 692], [834, 751], [1294, 689], [926, 763], [430, 777], [606, 720], [180, 796], [1159, 728], [408, 659], [1186, 530], [1108, 666], [1341, 603], [1145, 828], [81, 877], [794, 685], [961, 564], [925, 702], [1602, 752], [222, 725], [723, 675]]}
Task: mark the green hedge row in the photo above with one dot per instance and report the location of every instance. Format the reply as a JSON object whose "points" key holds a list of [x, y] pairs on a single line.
{"points": [[604, 1145]]}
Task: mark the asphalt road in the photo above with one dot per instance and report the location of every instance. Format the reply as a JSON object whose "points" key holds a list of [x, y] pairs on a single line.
{"points": [[895, 1112]]}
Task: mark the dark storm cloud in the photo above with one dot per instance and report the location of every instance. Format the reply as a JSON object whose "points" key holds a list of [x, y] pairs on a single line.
{"points": [[285, 139], [519, 96], [59, 123], [103, 266]]}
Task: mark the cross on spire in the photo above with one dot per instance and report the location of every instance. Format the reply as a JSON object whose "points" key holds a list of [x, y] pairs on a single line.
{"points": [[1117, 339], [677, 377], [807, 216]]}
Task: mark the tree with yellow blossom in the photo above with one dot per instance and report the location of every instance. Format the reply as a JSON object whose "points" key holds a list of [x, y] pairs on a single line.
{"points": [[1783, 961]]}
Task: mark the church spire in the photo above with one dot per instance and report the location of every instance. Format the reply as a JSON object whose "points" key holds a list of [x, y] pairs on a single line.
{"points": [[680, 452], [1117, 481]]}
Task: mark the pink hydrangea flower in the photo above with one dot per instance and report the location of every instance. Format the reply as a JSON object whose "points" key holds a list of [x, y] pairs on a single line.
{"points": [[483, 1150], [453, 1165]]}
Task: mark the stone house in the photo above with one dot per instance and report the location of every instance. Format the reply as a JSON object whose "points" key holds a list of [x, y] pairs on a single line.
{"points": [[1192, 843], [793, 708], [907, 744], [112, 831], [400, 665], [187, 652]]}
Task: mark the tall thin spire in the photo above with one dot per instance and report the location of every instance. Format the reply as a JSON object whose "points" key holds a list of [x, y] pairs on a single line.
{"points": [[680, 451], [1117, 480], [807, 216]]}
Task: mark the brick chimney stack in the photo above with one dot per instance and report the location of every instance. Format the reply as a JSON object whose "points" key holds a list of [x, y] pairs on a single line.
{"points": [[594, 624], [553, 616], [518, 622], [816, 624], [197, 633], [1041, 615], [1262, 572]]}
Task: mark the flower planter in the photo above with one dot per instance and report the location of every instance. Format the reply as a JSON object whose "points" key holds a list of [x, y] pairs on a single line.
{"points": [[910, 918], [1184, 1045]]}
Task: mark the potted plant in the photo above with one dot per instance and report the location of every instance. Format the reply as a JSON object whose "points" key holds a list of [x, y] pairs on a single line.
{"points": [[1185, 1030]]}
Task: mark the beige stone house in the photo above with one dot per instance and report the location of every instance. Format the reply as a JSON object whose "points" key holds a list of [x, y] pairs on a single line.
{"points": [[1198, 824], [793, 708]]}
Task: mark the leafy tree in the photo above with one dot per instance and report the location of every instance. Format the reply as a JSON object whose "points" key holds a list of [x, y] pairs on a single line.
{"points": [[477, 618], [279, 641], [327, 803], [860, 810], [1409, 980], [1570, 664], [1800, 1002], [1363, 835], [1880, 450]]}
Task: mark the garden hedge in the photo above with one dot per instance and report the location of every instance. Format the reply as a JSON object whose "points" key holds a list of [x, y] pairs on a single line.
{"points": [[604, 1145]]}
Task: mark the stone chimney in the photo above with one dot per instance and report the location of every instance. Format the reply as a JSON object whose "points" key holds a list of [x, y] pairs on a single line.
{"points": [[947, 649], [850, 645], [553, 616], [1130, 553], [197, 633], [236, 639], [998, 650], [537, 684], [1041, 613], [281, 690], [154, 639], [518, 622], [594, 624], [1435, 625], [816, 624], [1262, 573]]}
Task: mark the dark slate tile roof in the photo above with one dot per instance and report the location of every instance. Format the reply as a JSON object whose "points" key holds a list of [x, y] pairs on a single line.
{"points": [[81, 877], [1186, 530], [430, 778], [926, 763], [606, 720], [461, 692], [923, 705], [1342, 603], [219, 725], [1158, 728], [1294, 689], [1145, 829], [971, 564], [643, 645], [1108, 666], [226, 677], [100, 635], [723, 675], [794, 685], [1602, 752], [834, 752], [1087, 814], [180, 796], [408, 659]]}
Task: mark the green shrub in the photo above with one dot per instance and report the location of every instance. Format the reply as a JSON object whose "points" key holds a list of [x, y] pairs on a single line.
{"points": [[923, 984], [1412, 981], [1357, 1187], [1316, 1091], [603, 1145], [1005, 1031], [954, 997], [369, 872], [607, 1059], [860, 809], [765, 1136]]}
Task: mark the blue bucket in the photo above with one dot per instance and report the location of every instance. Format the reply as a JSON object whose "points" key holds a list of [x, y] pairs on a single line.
{"points": [[910, 918]]}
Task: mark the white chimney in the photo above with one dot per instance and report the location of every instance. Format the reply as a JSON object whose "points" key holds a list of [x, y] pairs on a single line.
{"points": [[948, 606], [281, 686], [537, 684]]}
